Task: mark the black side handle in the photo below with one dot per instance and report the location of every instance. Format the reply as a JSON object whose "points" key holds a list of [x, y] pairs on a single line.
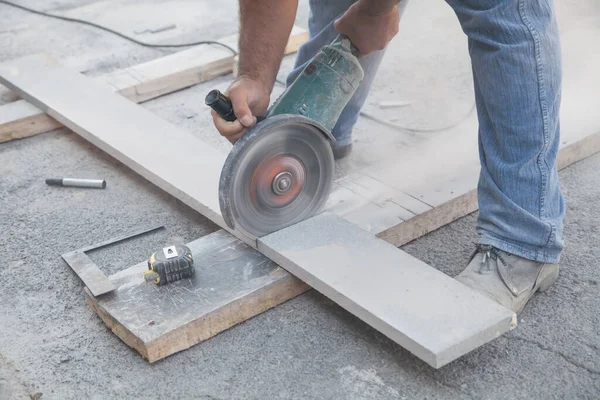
{"points": [[221, 104]]}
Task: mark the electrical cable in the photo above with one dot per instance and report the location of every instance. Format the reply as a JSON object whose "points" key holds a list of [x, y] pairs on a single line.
{"points": [[104, 28], [419, 130], [235, 53]]}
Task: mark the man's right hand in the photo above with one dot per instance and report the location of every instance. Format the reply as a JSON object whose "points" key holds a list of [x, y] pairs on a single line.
{"points": [[250, 98]]}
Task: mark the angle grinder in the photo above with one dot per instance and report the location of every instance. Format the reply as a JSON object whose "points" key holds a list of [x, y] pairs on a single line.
{"points": [[280, 172]]}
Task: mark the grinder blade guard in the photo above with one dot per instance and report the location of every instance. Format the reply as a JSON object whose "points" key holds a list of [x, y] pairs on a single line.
{"points": [[276, 175], [281, 171]]}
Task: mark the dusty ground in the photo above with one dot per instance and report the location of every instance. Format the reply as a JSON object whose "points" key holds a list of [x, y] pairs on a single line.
{"points": [[52, 343]]}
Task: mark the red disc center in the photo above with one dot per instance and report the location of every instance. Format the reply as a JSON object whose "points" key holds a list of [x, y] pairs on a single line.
{"points": [[277, 181]]}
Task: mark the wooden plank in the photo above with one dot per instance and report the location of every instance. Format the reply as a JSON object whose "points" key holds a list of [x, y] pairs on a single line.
{"points": [[233, 283], [380, 193], [93, 278], [431, 220], [20, 119], [140, 83], [577, 151], [453, 196], [373, 218], [343, 201], [428, 313]]}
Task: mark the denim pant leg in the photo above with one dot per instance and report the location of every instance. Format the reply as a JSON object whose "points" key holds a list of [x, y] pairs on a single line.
{"points": [[320, 25], [515, 53]]}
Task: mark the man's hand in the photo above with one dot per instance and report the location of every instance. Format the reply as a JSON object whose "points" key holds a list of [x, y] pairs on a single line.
{"points": [[370, 24], [250, 98]]}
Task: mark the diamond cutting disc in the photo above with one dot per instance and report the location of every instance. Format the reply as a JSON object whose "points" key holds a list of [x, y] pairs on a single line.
{"points": [[279, 173]]}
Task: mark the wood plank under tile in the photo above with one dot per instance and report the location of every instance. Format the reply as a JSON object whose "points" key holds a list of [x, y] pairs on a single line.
{"points": [[233, 282]]}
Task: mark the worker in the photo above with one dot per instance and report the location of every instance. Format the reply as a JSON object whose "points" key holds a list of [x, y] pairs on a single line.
{"points": [[515, 55]]}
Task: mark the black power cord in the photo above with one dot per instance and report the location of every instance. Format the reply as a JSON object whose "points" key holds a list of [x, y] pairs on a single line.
{"points": [[104, 28], [235, 53]]}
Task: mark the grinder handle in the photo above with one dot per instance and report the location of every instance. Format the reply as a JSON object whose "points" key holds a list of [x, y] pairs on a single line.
{"points": [[221, 104]]}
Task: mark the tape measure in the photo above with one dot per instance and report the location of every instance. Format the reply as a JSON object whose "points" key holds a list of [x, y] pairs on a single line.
{"points": [[170, 264]]}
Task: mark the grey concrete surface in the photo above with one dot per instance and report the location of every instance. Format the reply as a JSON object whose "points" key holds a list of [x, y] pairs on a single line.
{"points": [[10, 387], [95, 52], [307, 348]]}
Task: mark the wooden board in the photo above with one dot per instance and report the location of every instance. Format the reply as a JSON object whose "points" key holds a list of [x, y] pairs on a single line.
{"points": [[140, 83], [21, 119], [428, 313], [233, 282]]}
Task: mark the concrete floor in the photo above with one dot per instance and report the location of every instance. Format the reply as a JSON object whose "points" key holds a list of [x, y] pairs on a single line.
{"points": [[52, 343]]}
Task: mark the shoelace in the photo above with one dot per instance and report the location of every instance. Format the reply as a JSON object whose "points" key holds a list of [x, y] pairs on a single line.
{"points": [[490, 252]]}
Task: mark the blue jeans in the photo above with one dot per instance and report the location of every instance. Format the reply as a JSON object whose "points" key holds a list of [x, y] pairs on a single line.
{"points": [[515, 55]]}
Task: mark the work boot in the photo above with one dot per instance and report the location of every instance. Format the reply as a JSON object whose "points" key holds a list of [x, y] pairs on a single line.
{"points": [[340, 152], [506, 278]]}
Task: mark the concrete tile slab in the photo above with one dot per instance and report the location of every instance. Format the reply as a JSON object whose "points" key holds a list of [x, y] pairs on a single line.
{"points": [[425, 311]]}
